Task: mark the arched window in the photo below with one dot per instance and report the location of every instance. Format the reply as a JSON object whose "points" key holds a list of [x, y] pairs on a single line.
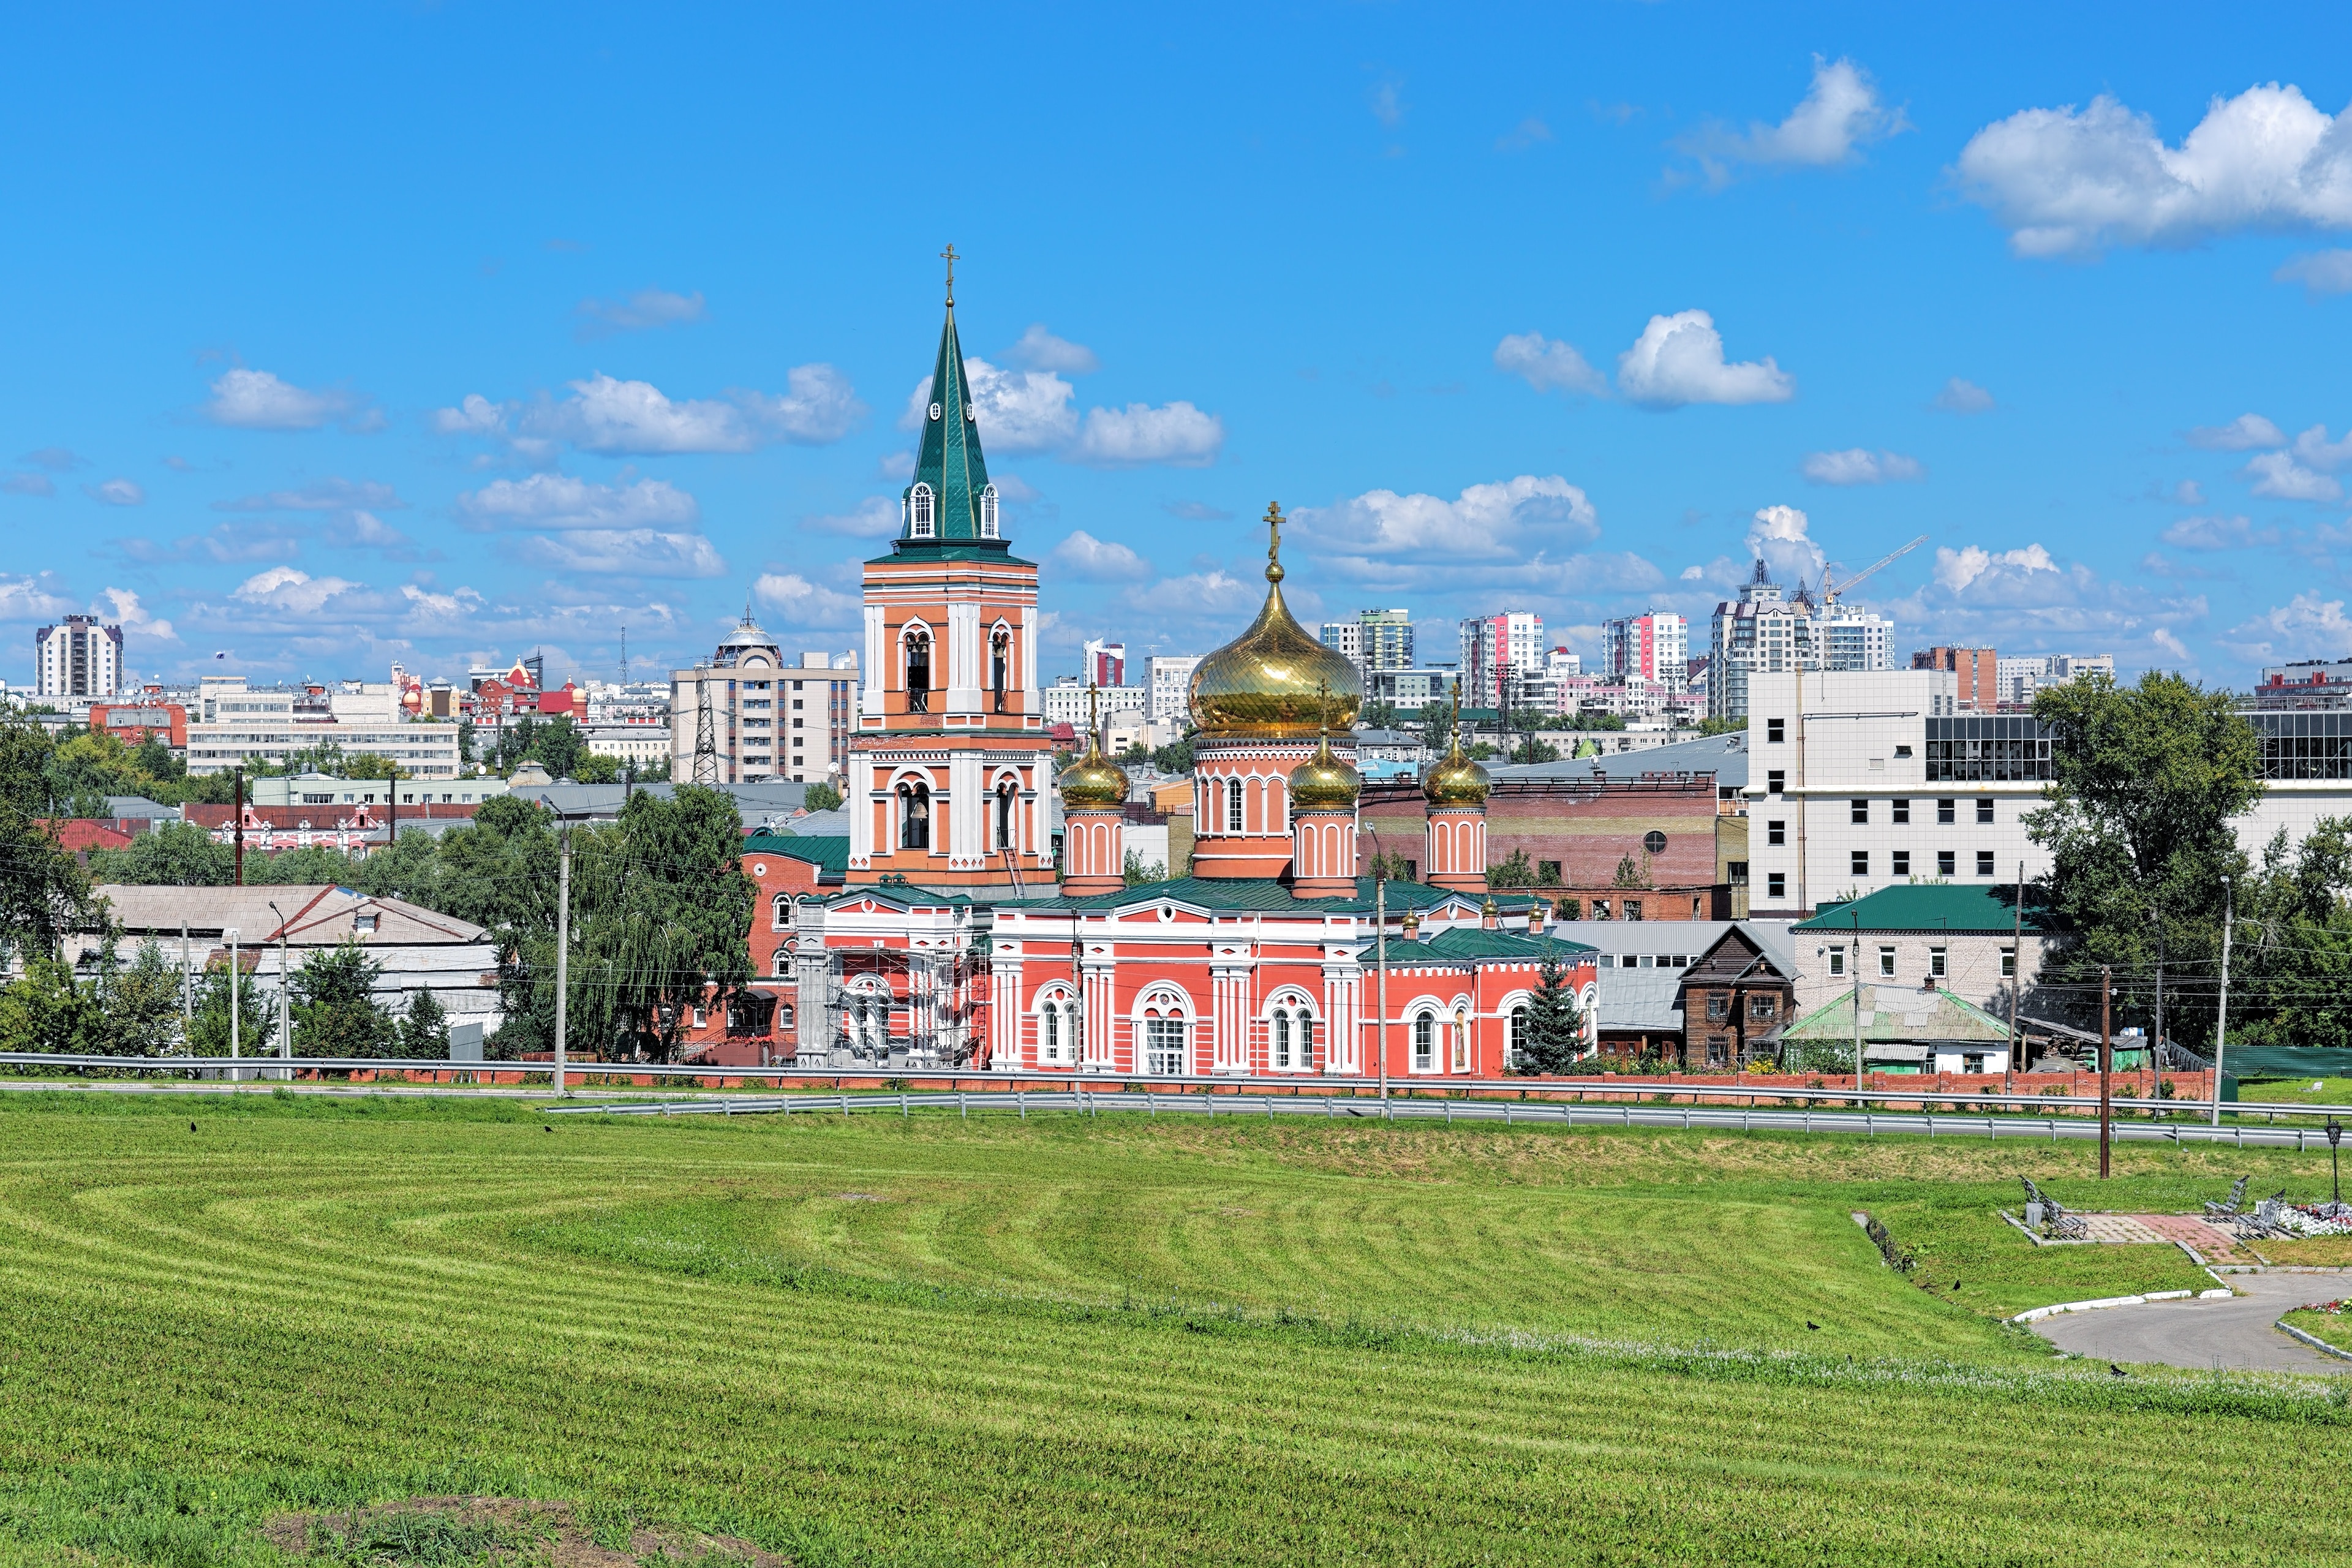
{"points": [[783, 913], [1233, 805], [1461, 1042], [783, 964], [1004, 815], [784, 1016], [1166, 1034], [1424, 1042], [987, 512], [1000, 664], [1281, 1038], [919, 523], [918, 671], [1049, 1034], [914, 816], [1518, 1047]]}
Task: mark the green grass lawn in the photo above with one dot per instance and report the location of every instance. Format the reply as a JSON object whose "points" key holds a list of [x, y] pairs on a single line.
{"points": [[1123, 1340], [2297, 1091]]}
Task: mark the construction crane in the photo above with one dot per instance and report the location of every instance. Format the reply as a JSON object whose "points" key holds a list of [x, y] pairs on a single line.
{"points": [[1830, 594]]}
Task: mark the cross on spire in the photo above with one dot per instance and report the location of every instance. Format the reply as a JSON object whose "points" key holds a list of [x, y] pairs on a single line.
{"points": [[1274, 542], [948, 255]]}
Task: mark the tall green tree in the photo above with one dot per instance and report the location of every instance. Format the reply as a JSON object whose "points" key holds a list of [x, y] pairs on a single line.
{"points": [[257, 1015], [44, 892], [44, 1010], [424, 1034], [335, 1007], [2146, 780], [138, 1005], [174, 854], [1555, 1027]]}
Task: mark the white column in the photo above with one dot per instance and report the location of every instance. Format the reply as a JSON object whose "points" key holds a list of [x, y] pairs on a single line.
{"points": [[966, 845], [878, 672], [1340, 986], [1007, 1000], [1028, 654], [964, 658], [1097, 994], [857, 791]]}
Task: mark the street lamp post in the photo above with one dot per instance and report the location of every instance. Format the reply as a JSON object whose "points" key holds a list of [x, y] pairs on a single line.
{"points": [[2221, 1018], [2335, 1177], [236, 1001]]}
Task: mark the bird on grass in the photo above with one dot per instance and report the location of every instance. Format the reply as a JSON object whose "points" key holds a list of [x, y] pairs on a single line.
{"points": [[1810, 1324], [191, 1126], [2117, 1369]]}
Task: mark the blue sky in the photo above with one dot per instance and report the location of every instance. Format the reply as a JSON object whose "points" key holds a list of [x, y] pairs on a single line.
{"points": [[342, 335]]}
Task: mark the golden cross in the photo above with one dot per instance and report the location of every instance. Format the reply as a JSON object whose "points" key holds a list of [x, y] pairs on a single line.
{"points": [[1273, 530], [948, 255], [1323, 708], [1094, 721]]}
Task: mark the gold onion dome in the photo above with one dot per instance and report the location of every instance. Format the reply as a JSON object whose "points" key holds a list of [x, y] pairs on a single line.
{"points": [[1324, 782], [1456, 780], [1093, 783], [1271, 681]]}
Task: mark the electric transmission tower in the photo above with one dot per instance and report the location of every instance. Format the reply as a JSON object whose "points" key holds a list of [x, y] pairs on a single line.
{"points": [[705, 743]]}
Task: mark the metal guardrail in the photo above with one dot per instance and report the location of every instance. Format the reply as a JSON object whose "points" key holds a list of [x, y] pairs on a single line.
{"points": [[1509, 1112], [1434, 1091]]}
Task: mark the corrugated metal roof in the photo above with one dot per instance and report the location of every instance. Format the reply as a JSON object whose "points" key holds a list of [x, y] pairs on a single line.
{"points": [[1936, 907], [317, 914], [1639, 1000], [830, 855], [1725, 756], [1901, 1014]]}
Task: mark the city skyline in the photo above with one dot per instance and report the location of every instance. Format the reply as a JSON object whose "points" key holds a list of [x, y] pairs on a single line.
{"points": [[1851, 292]]}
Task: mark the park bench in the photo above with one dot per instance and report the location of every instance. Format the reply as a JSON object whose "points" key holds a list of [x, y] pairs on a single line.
{"points": [[2228, 1208], [2265, 1220], [2041, 1208]]}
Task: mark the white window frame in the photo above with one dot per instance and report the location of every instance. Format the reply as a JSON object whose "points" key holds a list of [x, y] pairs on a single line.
{"points": [[1837, 962], [1887, 964], [1424, 1041], [988, 527], [2009, 963], [1939, 963], [783, 913], [921, 512], [1233, 818]]}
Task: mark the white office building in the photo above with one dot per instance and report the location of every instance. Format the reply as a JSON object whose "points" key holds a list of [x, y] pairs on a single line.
{"points": [[1064, 701], [1171, 680], [243, 724], [1653, 645], [1768, 632], [765, 719]]}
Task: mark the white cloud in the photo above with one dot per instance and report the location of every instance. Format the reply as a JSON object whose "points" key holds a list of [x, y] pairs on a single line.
{"points": [[2306, 627], [561, 501], [365, 531], [1175, 433], [454, 607], [1041, 350], [1678, 360], [2243, 434], [806, 603], [610, 416], [2188, 492], [2217, 533], [876, 516], [1780, 537], [627, 551], [126, 609], [56, 459], [645, 309], [1388, 104], [1488, 522], [1859, 466], [1974, 568], [1093, 560], [1035, 411], [474, 416], [1839, 112], [2314, 451], [28, 485], [116, 492], [1546, 364], [32, 598], [2321, 272], [1960, 397], [2073, 183], [292, 590], [322, 495], [2280, 477], [1523, 135], [257, 400], [1199, 594]]}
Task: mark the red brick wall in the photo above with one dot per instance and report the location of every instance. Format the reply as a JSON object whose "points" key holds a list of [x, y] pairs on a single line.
{"points": [[1587, 827]]}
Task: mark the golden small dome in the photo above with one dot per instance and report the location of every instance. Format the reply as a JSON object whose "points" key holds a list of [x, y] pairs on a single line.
{"points": [[1456, 780], [1093, 783], [1324, 782], [1272, 680]]}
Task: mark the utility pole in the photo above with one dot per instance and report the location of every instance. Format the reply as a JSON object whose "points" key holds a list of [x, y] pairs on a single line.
{"points": [[562, 949], [705, 741], [235, 999], [2107, 1060], [1381, 965], [237, 808], [1857, 948], [2155, 1051], [285, 977], [2016, 981], [2221, 1020], [187, 987]]}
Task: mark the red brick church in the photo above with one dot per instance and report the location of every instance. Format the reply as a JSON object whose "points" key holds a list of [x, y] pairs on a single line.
{"points": [[951, 942]]}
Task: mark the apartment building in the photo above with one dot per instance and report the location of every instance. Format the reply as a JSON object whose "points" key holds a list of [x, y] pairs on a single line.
{"points": [[1170, 678], [1653, 645], [77, 658], [1978, 670], [1064, 701], [1499, 650], [765, 719], [1107, 662], [1766, 632]]}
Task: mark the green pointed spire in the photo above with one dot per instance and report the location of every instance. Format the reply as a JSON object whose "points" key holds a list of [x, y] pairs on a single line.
{"points": [[951, 497]]}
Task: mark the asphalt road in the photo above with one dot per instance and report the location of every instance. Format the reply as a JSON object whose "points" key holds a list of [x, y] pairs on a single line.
{"points": [[2236, 1334]]}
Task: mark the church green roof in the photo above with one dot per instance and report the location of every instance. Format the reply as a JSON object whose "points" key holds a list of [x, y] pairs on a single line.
{"points": [[949, 466]]}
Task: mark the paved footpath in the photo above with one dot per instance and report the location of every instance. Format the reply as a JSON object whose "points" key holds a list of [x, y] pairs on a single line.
{"points": [[2236, 1334]]}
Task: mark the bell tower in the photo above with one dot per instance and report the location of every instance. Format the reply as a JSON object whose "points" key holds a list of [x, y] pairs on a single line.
{"points": [[949, 767]]}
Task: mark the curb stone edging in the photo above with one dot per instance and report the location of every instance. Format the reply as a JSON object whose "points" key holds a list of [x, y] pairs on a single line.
{"points": [[2035, 1314], [2313, 1341]]}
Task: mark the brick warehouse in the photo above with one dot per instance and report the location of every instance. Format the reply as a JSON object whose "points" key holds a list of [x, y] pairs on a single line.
{"points": [[1581, 829]]}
